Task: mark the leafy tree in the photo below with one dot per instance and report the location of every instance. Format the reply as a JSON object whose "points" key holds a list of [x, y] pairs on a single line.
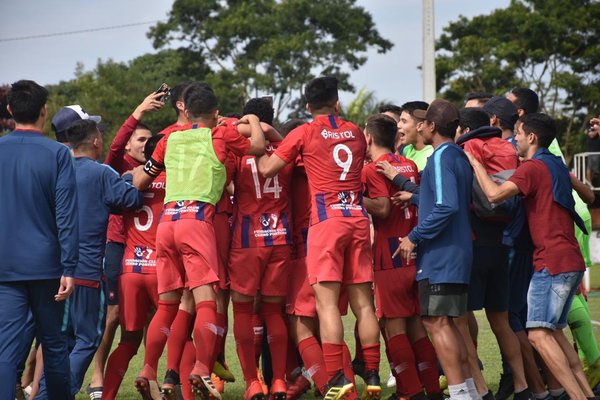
{"points": [[550, 46], [6, 122], [361, 107], [273, 46]]}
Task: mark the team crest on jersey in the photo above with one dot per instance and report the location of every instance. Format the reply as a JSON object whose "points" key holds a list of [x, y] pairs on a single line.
{"points": [[346, 197], [180, 203], [139, 251], [265, 220]]}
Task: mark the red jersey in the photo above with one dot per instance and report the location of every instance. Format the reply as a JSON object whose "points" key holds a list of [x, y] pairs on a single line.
{"points": [[121, 162], [224, 138], [174, 127], [300, 199], [261, 205], [551, 227], [140, 227], [225, 205], [333, 151], [401, 219]]}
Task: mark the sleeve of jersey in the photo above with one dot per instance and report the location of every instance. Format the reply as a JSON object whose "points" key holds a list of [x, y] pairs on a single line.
{"points": [[376, 183], [290, 147], [67, 217], [117, 147], [119, 192], [446, 202], [523, 178], [156, 164], [236, 143]]}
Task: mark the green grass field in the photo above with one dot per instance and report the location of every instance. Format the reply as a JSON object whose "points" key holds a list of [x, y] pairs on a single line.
{"points": [[487, 349]]}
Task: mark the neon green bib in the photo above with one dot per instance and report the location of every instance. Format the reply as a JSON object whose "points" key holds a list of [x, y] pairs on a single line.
{"points": [[193, 170]]}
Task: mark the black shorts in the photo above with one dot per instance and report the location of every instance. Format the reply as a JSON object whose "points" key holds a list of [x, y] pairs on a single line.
{"points": [[442, 299], [489, 285], [113, 258]]}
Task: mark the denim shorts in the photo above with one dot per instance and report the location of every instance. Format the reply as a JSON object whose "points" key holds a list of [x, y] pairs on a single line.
{"points": [[549, 298]]}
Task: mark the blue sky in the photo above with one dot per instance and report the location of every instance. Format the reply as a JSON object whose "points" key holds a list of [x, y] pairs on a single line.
{"points": [[393, 76]]}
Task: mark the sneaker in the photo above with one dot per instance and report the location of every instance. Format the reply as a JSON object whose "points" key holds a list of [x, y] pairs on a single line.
{"points": [[297, 387], [592, 374], [338, 387], [171, 386], [148, 388], [372, 389], [218, 382], [261, 380], [506, 387], [95, 393], [223, 372], [391, 382], [254, 391], [358, 366], [278, 390], [203, 387], [525, 394]]}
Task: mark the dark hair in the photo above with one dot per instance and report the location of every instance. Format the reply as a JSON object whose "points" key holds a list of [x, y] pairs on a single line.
{"points": [[290, 126], [383, 129], [481, 96], [81, 132], [411, 106], [177, 94], [526, 99], [151, 145], [199, 100], [510, 124], [447, 131], [143, 126], [26, 100], [391, 108], [321, 92], [260, 107], [542, 126], [473, 118], [233, 115]]}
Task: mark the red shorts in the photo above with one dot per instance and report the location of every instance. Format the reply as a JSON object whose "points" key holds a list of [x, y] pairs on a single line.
{"points": [[137, 297], [396, 293], [301, 296], [223, 236], [339, 250], [259, 269], [186, 253]]}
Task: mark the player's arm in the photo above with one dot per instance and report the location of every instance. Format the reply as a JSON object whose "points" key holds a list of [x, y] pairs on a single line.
{"points": [[142, 177], [495, 193], [257, 137], [270, 133], [119, 191], [288, 149], [269, 166], [378, 207], [586, 194]]}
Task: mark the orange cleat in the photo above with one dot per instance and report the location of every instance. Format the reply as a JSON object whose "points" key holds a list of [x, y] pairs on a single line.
{"points": [[278, 390]]}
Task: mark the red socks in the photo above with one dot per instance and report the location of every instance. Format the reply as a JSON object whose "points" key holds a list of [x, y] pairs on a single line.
{"points": [[258, 328], [371, 355], [292, 365], [205, 336], [427, 365], [180, 332], [312, 356], [221, 335], [333, 357], [402, 359], [244, 338], [157, 334], [272, 314], [116, 367], [188, 360]]}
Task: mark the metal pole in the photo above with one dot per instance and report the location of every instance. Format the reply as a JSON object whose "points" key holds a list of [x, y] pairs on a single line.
{"points": [[429, 90]]}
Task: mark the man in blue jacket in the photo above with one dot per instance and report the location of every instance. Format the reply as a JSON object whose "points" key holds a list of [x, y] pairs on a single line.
{"points": [[99, 190], [443, 242], [38, 239]]}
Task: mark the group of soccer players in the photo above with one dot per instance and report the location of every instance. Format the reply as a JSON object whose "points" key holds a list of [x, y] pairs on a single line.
{"points": [[292, 227]]}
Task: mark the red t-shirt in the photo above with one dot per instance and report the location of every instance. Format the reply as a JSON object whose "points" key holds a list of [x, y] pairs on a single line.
{"points": [[224, 139], [300, 199], [140, 227], [550, 224], [261, 211], [224, 205], [333, 151], [401, 219]]}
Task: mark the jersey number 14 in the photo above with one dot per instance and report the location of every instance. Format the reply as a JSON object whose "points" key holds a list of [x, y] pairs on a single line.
{"points": [[271, 184]]}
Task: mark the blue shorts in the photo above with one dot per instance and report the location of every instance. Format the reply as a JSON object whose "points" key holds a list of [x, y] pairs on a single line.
{"points": [[549, 298]]}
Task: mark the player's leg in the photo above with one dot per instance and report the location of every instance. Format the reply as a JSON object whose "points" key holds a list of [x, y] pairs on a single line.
{"points": [[581, 326], [118, 362], [223, 236], [425, 356], [402, 358], [305, 330]]}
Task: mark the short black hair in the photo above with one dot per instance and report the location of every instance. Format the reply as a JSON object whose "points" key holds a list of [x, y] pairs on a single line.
{"points": [[151, 145], [200, 100], [81, 132], [290, 126], [383, 129], [482, 96], [143, 126], [391, 108], [26, 100], [526, 99], [321, 92], [262, 108], [177, 94], [542, 125], [411, 106], [473, 118]]}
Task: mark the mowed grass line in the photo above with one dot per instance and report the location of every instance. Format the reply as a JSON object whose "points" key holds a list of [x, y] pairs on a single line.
{"points": [[487, 349]]}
